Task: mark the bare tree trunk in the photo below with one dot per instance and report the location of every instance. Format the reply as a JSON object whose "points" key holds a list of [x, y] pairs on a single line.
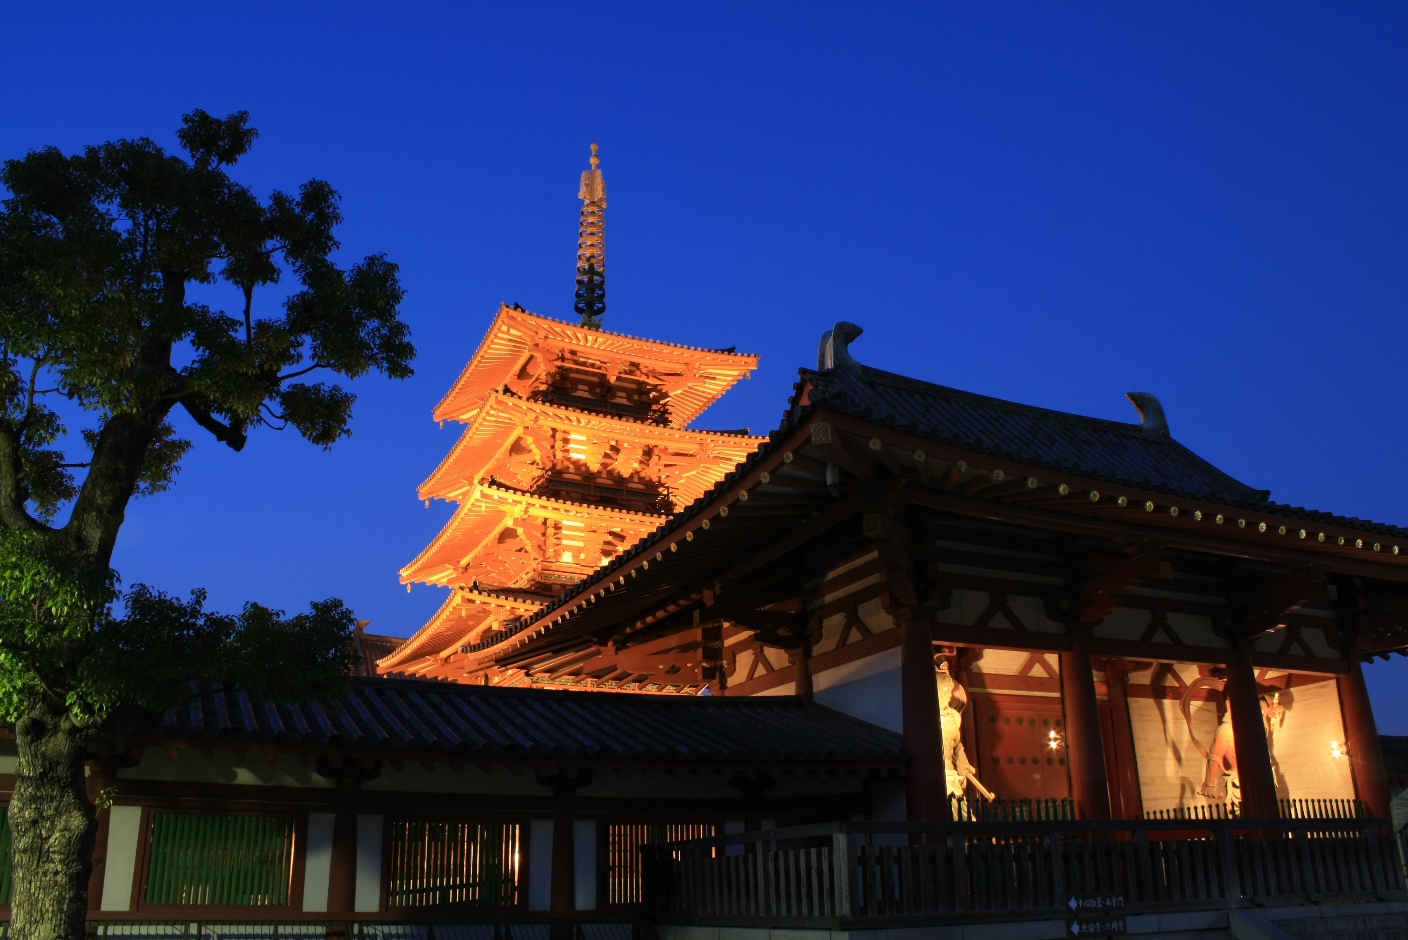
{"points": [[52, 827]]}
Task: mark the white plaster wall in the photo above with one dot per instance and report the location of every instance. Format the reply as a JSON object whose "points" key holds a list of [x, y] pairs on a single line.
{"points": [[1033, 613], [872, 614], [1300, 748], [414, 778], [540, 864], [369, 830], [1123, 624], [584, 863], [120, 866], [868, 689], [255, 770], [1193, 629], [1170, 767], [317, 861], [965, 607]]}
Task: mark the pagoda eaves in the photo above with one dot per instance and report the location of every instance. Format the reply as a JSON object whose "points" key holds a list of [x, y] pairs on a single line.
{"points": [[576, 448], [524, 351], [574, 453]]}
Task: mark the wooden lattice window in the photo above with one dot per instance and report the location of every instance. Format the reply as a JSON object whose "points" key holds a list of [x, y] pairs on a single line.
{"points": [[466, 863], [623, 861], [219, 860]]}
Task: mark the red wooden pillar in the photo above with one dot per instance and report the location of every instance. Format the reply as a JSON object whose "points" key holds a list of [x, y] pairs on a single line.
{"points": [[342, 868], [803, 689], [564, 859], [102, 778], [565, 784], [1085, 750], [1126, 783], [926, 792], [1249, 734], [1366, 758]]}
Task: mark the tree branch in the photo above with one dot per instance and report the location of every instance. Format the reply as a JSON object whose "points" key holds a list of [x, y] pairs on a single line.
{"points": [[225, 434], [13, 515], [293, 375], [248, 309]]}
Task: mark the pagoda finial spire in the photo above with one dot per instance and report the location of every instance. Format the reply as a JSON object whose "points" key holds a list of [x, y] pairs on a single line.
{"points": [[591, 247]]}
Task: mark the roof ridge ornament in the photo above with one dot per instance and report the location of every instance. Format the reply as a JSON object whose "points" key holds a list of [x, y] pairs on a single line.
{"points": [[1151, 415], [591, 247], [834, 352]]}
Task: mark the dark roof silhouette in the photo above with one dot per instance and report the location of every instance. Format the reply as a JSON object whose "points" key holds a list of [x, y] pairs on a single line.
{"points": [[478, 722]]}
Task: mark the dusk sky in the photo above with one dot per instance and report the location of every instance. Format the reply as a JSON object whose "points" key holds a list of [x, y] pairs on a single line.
{"points": [[1051, 203]]}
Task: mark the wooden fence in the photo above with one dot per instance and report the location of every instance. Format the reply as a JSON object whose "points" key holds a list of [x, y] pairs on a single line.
{"points": [[1009, 809], [1290, 809], [857, 873]]}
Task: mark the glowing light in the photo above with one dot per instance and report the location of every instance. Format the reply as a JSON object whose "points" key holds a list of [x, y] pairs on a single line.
{"points": [[1338, 750]]}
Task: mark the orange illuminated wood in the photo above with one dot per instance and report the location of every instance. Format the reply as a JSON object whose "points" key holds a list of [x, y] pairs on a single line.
{"points": [[533, 355], [545, 447], [575, 449]]}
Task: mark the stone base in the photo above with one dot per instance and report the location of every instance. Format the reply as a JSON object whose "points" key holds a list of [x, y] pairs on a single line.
{"points": [[1386, 920]]}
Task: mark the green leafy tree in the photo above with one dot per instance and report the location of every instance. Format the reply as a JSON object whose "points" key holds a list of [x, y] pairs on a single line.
{"points": [[97, 253]]}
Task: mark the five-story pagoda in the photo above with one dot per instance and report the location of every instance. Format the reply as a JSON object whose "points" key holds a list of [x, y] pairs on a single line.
{"points": [[575, 448]]}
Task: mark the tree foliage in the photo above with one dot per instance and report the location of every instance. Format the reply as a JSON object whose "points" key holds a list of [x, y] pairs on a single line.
{"points": [[102, 349], [98, 252]]}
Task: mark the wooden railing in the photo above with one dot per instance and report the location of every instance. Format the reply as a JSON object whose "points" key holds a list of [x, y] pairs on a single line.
{"points": [[1009, 809], [853, 873], [1290, 809]]}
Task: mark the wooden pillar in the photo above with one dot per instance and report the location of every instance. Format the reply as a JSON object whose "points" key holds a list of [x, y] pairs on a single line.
{"points": [[1258, 785], [1366, 758], [564, 857], [102, 778], [565, 784], [1085, 751], [342, 869], [803, 688], [1126, 783], [926, 793]]}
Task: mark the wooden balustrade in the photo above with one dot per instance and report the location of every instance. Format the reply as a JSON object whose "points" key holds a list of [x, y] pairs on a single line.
{"points": [[852, 873], [1290, 809], [1009, 809]]}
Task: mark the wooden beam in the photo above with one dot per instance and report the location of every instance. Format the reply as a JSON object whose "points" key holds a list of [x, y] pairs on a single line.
{"points": [[954, 474], [796, 538], [880, 452], [828, 439], [1107, 577], [922, 467], [1173, 538]]}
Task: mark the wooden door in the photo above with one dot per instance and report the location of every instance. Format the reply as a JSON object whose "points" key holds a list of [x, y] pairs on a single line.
{"points": [[1015, 758]]}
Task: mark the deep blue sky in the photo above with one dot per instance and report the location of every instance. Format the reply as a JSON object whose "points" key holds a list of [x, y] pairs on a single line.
{"points": [[1052, 203]]}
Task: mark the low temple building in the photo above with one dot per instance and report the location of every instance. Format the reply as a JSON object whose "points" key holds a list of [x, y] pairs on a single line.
{"points": [[919, 658]]}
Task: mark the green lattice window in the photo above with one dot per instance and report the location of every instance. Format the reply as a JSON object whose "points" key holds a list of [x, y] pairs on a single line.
{"points": [[432, 863], [199, 859]]}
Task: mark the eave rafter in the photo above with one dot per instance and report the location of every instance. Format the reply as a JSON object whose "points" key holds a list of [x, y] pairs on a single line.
{"points": [[495, 507], [691, 462], [819, 465], [518, 340]]}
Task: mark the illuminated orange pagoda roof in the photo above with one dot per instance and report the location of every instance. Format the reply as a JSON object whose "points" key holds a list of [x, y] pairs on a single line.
{"points": [[575, 448]]}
